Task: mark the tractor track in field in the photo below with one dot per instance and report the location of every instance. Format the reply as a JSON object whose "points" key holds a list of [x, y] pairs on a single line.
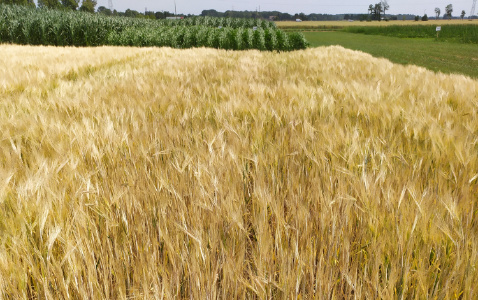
{"points": [[51, 82]]}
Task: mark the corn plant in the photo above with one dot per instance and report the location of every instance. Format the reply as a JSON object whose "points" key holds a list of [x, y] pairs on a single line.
{"points": [[259, 41], [236, 39], [248, 39], [282, 40], [213, 38], [270, 39], [298, 41], [190, 37]]}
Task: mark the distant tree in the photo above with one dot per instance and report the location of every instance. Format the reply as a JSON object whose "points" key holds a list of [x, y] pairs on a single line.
{"points": [[448, 10], [417, 18], [49, 3], [463, 13], [149, 15], [132, 13], [425, 17], [211, 13], [385, 7], [303, 17], [105, 11], [163, 15], [375, 11], [285, 16], [88, 6], [437, 12], [378, 11], [70, 4]]}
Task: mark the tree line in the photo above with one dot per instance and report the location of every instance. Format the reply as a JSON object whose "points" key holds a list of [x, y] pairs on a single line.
{"points": [[279, 16], [446, 15], [273, 15], [448, 12], [375, 12], [90, 6]]}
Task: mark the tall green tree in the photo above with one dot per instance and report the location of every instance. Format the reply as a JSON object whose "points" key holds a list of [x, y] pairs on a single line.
{"points": [[211, 13], [49, 3], [385, 7], [149, 15], [449, 10], [105, 11], [70, 4], [88, 6], [131, 13], [378, 11], [463, 13], [437, 12]]}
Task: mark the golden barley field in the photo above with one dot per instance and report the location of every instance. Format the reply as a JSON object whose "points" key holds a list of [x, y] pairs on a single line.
{"points": [[346, 23], [207, 174]]}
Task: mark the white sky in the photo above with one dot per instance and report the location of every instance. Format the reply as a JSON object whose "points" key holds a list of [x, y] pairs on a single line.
{"points": [[416, 7]]}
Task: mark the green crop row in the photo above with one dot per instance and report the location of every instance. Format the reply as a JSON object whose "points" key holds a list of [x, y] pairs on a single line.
{"points": [[22, 25], [220, 22], [201, 36], [455, 33]]}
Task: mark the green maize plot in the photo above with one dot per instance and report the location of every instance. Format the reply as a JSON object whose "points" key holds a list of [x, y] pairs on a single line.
{"points": [[30, 26]]}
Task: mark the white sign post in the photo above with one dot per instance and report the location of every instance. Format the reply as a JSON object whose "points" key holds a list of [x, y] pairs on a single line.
{"points": [[438, 30]]}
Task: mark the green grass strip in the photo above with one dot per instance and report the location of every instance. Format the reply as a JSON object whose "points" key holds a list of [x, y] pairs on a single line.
{"points": [[428, 53]]}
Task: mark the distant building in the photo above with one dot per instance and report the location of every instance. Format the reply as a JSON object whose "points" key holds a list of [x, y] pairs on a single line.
{"points": [[298, 20]]}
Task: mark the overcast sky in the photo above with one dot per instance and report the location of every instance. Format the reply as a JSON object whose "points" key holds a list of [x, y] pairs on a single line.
{"points": [[417, 7]]}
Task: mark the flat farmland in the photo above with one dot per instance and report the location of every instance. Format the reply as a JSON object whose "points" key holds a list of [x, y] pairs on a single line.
{"points": [[164, 173], [345, 23]]}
